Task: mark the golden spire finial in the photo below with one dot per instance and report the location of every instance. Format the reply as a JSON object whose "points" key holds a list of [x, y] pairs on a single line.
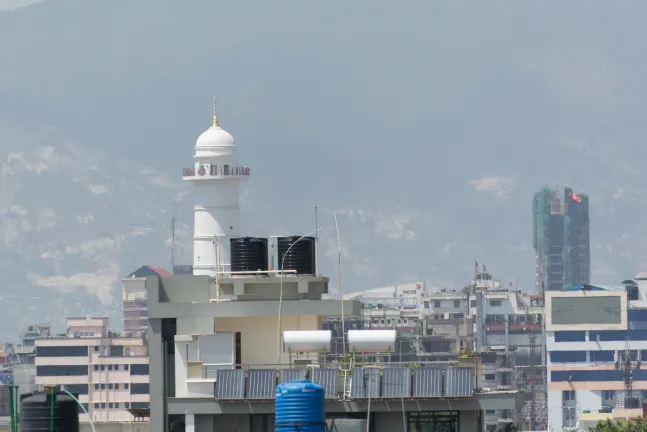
{"points": [[215, 114]]}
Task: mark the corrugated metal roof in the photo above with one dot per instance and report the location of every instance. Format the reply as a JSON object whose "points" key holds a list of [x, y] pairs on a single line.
{"points": [[261, 384], [396, 383], [328, 379], [427, 382], [459, 382], [365, 382], [230, 384]]}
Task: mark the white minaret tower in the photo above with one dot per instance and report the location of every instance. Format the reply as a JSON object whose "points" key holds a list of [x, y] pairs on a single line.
{"points": [[216, 176]]}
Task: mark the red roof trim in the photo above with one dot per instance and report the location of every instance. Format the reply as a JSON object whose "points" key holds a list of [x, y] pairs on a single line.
{"points": [[160, 271]]}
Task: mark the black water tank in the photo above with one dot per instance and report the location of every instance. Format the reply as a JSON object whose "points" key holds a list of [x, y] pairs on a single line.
{"points": [[248, 254], [36, 412], [301, 256]]}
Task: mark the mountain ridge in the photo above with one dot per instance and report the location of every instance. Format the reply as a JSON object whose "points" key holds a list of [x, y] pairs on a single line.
{"points": [[427, 127]]}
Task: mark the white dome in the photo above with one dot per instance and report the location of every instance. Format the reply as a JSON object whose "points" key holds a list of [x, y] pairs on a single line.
{"points": [[215, 136]]}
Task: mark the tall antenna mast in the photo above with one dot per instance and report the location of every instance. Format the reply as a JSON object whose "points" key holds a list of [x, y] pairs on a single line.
{"points": [[173, 237]]}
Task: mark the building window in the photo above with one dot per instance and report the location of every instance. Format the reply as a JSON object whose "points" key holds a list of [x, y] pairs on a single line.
{"points": [[457, 303], [473, 303], [62, 371], [139, 388], [96, 367], [608, 395], [96, 386], [446, 421], [109, 367], [103, 367], [602, 356], [568, 395], [127, 352], [568, 356], [96, 406], [96, 349], [437, 303], [103, 386], [495, 303], [127, 405], [109, 386], [117, 405], [117, 351], [139, 405], [62, 351], [570, 336], [126, 386], [116, 386], [490, 412], [79, 389], [569, 419], [110, 405], [490, 377]]}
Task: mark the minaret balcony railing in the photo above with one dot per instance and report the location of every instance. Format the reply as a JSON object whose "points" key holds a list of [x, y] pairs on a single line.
{"points": [[220, 171]]}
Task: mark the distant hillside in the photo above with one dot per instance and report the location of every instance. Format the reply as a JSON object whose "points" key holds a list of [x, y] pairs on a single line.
{"points": [[428, 125]]}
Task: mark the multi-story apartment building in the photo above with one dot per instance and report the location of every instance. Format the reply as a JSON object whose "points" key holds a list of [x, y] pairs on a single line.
{"points": [[509, 339], [134, 300], [430, 324], [596, 337], [108, 372]]}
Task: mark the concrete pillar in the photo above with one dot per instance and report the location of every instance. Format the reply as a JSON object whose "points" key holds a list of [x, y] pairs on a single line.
{"points": [[189, 423], [180, 369], [157, 377]]}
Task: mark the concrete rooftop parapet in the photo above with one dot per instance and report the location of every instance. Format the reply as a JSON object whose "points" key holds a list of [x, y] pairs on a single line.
{"points": [[191, 296]]}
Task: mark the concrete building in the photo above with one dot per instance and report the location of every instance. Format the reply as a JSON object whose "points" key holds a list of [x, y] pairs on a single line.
{"points": [[561, 239], [596, 337], [133, 288], [215, 365], [431, 324], [509, 339], [217, 338], [109, 372]]}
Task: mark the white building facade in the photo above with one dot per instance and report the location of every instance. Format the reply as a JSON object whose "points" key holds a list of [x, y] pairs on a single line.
{"points": [[109, 373], [133, 288], [215, 175], [510, 341], [595, 339]]}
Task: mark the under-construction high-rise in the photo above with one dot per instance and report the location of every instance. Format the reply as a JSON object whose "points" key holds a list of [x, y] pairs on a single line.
{"points": [[561, 238]]}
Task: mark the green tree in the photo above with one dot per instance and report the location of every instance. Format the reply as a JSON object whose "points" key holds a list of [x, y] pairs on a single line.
{"points": [[638, 425]]}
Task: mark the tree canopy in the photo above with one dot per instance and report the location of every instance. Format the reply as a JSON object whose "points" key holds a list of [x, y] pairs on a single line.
{"points": [[638, 425]]}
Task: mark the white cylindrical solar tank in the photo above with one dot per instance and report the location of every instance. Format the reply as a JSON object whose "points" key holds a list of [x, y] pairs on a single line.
{"points": [[217, 205], [376, 341], [301, 341]]}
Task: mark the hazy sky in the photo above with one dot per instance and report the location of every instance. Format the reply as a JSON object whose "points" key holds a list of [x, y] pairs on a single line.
{"points": [[427, 125]]}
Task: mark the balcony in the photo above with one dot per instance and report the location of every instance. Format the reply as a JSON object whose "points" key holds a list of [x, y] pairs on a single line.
{"points": [[217, 172]]}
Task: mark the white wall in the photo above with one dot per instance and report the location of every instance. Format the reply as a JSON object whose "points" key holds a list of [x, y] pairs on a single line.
{"points": [[259, 335]]}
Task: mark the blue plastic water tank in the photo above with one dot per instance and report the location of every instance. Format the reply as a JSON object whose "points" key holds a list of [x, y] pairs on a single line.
{"points": [[300, 407]]}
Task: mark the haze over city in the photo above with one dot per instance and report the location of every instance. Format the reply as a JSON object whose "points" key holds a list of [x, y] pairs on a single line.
{"points": [[417, 137]]}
